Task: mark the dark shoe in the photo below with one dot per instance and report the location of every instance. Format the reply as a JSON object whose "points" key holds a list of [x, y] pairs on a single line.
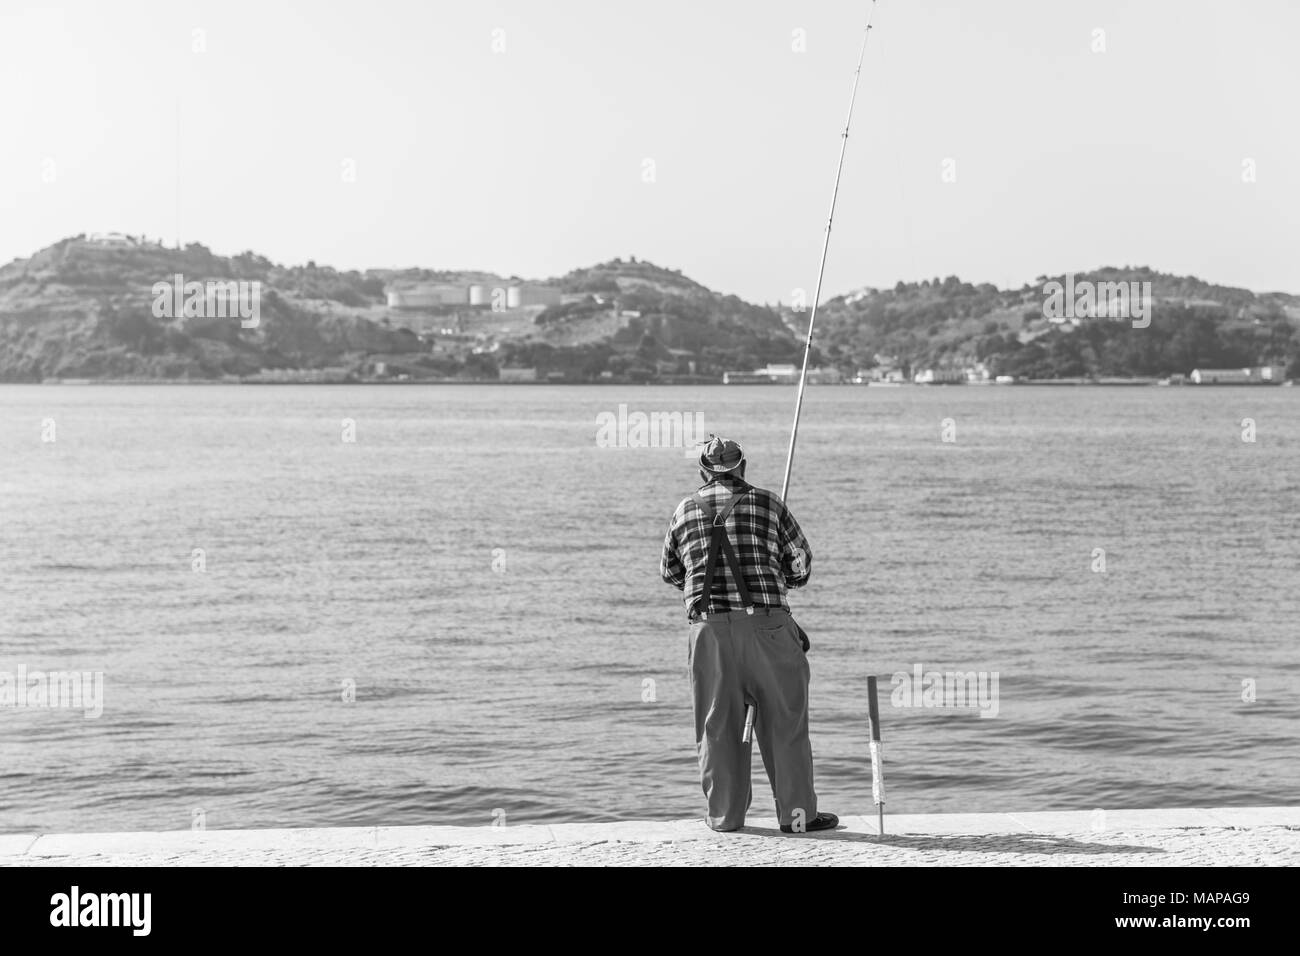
{"points": [[823, 821]]}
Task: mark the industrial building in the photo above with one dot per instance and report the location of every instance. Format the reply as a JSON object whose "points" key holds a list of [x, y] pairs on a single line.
{"points": [[1260, 375], [940, 376], [434, 296], [523, 296], [511, 374], [782, 375], [427, 297]]}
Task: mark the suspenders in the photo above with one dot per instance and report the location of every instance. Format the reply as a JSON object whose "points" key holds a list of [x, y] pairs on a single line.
{"points": [[718, 541]]}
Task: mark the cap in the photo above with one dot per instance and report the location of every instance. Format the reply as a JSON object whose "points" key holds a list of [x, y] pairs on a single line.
{"points": [[721, 455]]}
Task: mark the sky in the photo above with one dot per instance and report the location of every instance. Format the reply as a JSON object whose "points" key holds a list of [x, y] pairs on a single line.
{"points": [[997, 141]]}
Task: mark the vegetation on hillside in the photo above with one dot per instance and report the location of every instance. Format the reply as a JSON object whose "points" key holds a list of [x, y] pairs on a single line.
{"points": [[84, 310], [952, 324]]}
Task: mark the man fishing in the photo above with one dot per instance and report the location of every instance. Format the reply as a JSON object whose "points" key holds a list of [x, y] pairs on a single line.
{"points": [[733, 550]]}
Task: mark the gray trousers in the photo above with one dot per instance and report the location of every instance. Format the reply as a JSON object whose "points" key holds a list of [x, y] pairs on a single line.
{"points": [[737, 659]]}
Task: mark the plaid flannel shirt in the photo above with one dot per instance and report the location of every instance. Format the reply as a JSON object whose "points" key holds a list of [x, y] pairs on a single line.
{"points": [[772, 551]]}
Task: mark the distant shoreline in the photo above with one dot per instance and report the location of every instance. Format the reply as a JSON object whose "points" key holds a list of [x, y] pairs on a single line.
{"points": [[1060, 383]]}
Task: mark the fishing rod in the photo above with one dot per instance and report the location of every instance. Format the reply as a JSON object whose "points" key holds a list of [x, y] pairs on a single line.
{"points": [[821, 269]]}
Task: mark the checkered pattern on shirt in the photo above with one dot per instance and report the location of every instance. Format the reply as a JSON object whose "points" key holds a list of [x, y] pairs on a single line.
{"points": [[763, 533]]}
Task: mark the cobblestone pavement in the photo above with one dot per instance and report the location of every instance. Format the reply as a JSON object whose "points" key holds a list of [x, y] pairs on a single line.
{"points": [[683, 843]]}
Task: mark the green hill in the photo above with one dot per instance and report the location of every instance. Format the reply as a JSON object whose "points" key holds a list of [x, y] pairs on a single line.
{"points": [[76, 310], [949, 323], [84, 309]]}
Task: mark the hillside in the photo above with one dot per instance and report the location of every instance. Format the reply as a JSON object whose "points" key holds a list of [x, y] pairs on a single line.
{"points": [[85, 309], [952, 324], [75, 310]]}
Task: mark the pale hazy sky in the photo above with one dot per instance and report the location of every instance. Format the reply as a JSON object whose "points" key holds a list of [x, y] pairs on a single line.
{"points": [[530, 161]]}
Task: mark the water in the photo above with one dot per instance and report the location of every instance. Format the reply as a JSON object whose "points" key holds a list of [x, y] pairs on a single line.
{"points": [[521, 689]]}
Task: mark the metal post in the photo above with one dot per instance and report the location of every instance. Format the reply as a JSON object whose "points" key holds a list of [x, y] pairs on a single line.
{"points": [[877, 765]]}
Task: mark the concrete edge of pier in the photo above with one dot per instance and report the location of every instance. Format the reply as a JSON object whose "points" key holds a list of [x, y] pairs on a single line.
{"points": [[231, 846]]}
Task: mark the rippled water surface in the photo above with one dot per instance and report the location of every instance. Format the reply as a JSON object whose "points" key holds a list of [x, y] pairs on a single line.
{"points": [[486, 577]]}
